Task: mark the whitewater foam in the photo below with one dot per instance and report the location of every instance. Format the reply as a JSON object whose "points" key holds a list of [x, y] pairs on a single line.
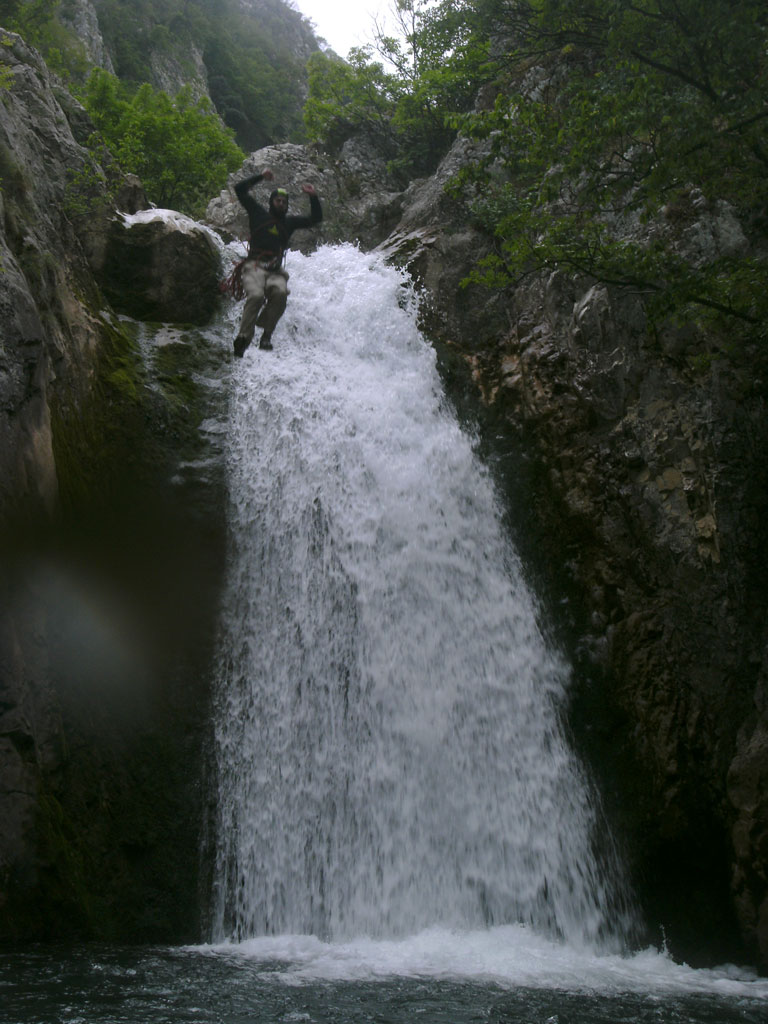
{"points": [[390, 749]]}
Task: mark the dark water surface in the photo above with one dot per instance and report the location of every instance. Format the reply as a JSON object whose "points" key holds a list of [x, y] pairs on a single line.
{"points": [[106, 985]]}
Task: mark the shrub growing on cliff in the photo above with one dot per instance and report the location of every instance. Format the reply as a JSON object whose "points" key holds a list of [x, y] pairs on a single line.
{"points": [[430, 70], [36, 22], [618, 125], [178, 147], [254, 55]]}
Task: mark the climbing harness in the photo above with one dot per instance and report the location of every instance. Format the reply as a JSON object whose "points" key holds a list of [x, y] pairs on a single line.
{"points": [[267, 259]]}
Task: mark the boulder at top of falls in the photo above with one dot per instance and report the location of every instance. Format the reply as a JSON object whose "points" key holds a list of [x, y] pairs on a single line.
{"points": [[162, 266]]}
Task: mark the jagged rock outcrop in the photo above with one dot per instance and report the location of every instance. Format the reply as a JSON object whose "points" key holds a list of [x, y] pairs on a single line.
{"points": [[46, 176], [172, 72], [80, 16]]}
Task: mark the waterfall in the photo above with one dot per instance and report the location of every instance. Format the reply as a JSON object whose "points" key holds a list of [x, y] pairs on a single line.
{"points": [[389, 747]]}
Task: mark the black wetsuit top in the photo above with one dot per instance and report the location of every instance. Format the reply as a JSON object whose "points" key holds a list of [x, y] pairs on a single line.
{"points": [[270, 233]]}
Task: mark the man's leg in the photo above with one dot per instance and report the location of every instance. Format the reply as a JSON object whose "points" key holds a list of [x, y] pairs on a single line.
{"points": [[254, 282], [277, 297]]}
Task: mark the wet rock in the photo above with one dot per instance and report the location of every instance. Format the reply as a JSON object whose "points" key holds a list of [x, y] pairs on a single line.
{"points": [[49, 330], [87, 508], [159, 265]]}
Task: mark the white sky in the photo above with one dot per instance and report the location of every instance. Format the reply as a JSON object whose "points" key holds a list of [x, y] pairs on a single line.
{"points": [[343, 23]]}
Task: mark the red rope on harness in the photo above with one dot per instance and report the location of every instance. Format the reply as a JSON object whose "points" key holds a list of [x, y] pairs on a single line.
{"points": [[234, 283]]}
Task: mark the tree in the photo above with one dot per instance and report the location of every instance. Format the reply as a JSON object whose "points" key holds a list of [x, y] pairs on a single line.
{"points": [[346, 97], [431, 71], [178, 147], [616, 120], [27, 17]]}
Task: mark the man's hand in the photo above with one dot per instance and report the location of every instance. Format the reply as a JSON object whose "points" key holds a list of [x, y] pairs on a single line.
{"points": [[267, 174], [309, 189]]}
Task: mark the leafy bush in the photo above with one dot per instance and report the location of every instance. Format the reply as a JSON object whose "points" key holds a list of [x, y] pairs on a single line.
{"points": [[178, 147], [617, 123], [430, 71]]}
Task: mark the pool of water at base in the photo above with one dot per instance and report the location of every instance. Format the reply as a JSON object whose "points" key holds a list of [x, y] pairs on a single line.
{"points": [[111, 985]]}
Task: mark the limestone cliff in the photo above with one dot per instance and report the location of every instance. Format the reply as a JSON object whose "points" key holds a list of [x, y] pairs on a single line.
{"points": [[81, 18]]}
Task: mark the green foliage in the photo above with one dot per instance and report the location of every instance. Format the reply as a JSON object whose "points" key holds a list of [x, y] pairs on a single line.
{"points": [[435, 65], [85, 191], [350, 96], [27, 17], [178, 147], [619, 123], [6, 75], [254, 56], [36, 21]]}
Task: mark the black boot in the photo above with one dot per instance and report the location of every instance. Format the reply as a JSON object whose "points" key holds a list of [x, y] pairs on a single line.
{"points": [[266, 341], [241, 344]]}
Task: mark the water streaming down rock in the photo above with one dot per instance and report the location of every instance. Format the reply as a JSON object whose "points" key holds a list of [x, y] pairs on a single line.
{"points": [[389, 748]]}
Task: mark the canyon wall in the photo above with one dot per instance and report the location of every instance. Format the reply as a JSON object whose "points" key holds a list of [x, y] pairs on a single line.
{"points": [[111, 543]]}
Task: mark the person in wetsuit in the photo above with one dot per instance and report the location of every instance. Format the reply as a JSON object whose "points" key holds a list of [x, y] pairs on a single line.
{"points": [[264, 280]]}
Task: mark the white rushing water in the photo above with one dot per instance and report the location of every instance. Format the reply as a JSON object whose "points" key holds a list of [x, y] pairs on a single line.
{"points": [[508, 956], [390, 753]]}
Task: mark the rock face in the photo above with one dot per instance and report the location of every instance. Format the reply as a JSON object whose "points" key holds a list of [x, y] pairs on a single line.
{"points": [[49, 184], [635, 466], [110, 547], [160, 265], [653, 484], [81, 17]]}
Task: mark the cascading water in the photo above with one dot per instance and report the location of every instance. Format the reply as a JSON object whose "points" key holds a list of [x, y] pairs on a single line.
{"points": [[390, 754]]}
